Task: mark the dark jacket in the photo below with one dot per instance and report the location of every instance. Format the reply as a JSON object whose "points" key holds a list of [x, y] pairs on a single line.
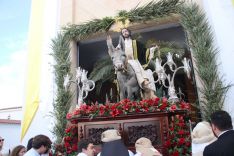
{"points": [[114, 148], [223, 146]]}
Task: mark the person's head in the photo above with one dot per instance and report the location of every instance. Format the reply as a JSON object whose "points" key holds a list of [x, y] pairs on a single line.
{"points": [[113, 144], [126, 33], [42, 144], [220, 121], [86, 147], [1, 142], [144, 146], [202, 133], [110, 135], [18, 151], [29, 145]]}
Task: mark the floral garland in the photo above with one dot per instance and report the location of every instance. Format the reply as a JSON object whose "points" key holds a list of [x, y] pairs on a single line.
{"points": [[179, 138], [125, 107], [71, 140]]}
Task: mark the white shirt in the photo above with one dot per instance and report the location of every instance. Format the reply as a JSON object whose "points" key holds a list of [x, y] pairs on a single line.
{"points": [[138, 154], [4, 152], [222, 133], [82, 154], [32, 152], [197, 149]]}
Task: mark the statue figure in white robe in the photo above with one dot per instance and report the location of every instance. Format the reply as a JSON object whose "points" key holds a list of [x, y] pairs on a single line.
{"points": [[135, 54]]}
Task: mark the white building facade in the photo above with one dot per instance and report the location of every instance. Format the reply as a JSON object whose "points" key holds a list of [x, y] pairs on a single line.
{"points": [[10, 126]]}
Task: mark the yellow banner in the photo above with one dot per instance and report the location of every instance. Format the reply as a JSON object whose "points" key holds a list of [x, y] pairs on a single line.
{"points": [[35, 43], [233, 2]]}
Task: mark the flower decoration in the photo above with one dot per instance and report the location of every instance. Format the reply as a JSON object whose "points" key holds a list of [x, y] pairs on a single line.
{"points": [[58, 149], [71, 140], [125, 107], [178, 141], [179, 138]]}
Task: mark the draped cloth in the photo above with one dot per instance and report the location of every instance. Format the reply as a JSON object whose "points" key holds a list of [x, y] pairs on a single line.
{"points": [[142, 74], [133, 54]]}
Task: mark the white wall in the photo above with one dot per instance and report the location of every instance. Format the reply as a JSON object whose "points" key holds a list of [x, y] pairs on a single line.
{"points": [[14, 114], [11, 134], [221, 17]]}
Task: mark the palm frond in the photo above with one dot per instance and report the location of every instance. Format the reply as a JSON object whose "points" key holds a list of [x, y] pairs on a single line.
{"points": [[200, 40], [82, 31], [102, 69], [150, 11], [60, 47]]}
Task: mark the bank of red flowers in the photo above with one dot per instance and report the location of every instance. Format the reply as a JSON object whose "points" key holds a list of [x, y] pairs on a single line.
{"points": [[126, 106], [178, 142]]}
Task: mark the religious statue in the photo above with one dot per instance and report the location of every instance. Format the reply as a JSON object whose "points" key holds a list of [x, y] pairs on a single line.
{"points": [[126, 77], [136, 55]]}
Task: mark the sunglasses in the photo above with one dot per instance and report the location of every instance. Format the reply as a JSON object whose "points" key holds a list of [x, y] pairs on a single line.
{"points": [[1, 140]]}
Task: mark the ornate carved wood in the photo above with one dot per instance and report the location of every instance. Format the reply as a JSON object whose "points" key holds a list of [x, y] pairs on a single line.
{"points": [[151, 125]]}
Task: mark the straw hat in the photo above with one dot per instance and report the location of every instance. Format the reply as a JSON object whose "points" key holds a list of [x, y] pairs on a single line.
{"points": [[110, 135], [202, 133], [144, 146]]}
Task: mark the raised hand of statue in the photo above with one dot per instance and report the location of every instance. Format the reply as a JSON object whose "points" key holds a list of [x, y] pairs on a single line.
{"points": [[109, 40], [110, 46], [118, 46], [152, 50]]}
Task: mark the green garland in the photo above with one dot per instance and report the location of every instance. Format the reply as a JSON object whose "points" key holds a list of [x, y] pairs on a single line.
{"points": [[151, 11], [199, 41], [62, 102]]}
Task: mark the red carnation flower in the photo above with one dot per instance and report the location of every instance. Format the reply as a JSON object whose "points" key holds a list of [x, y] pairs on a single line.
{"points": [[76, 112], [66, 144], [163, 106], [171, 128], [173, 108], [181, 132], [181, 124], [67, 138], [67, 130], [126, 107], [68, 116], [74, 148], [188, 143], [181, 141], [184, 105], [167, 143], [176, 153], [74, 121]]}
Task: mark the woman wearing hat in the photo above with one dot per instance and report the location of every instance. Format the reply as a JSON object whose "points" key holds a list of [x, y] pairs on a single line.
{"points": [[144, 147], [202, 136], [113, 145]]}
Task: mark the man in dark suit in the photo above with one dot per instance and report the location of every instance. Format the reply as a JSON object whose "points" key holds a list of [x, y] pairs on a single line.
{"points": [[221, 124]]}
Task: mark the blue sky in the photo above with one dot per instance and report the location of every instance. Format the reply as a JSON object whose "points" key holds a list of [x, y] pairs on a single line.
{"points": [[14, 19]]}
